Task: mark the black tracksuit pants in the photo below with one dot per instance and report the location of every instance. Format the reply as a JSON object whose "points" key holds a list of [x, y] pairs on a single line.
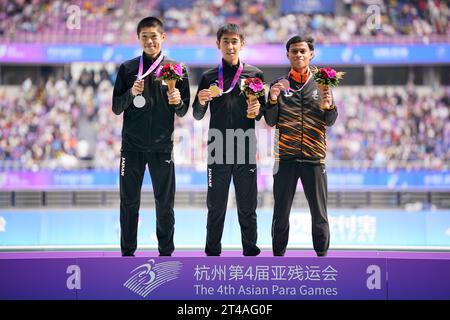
{"points": [[314, 181], [244, 179], [162, 173]]}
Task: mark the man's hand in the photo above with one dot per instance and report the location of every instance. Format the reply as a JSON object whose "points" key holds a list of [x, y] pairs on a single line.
{"points": [[138, 87], [174, 96], [253, 107], [327, 99], [204, 96], [275, 91]]}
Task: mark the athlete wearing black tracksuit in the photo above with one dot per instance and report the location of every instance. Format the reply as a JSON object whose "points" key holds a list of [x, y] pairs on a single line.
{"points": [[300, 150], [147, 141], [238, 160]]}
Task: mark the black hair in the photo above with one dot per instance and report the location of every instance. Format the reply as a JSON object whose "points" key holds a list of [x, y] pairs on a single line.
{"points": [[230, 28], [296, 39], [150, 22]]}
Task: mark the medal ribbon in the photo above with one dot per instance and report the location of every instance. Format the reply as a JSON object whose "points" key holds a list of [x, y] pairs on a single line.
{"points": [[235, 78], [151, 69], [290, 89]]}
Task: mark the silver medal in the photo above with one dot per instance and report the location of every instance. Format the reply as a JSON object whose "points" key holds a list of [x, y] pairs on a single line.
{"points": [[139, 101]]}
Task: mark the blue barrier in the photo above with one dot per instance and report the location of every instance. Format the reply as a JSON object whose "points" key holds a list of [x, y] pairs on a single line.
{"points": [[367, 228]]}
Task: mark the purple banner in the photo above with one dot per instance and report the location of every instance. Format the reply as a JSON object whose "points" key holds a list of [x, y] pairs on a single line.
{"points": [[207, 55], [22, 53], [35, 279], [192, 276], [419, 279], [191, 179], [45, 180], [230, 278]]}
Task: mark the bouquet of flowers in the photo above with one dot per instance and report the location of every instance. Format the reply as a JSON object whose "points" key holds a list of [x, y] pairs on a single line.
{"points": [[253, 88], [170, 73], [327, 76]]}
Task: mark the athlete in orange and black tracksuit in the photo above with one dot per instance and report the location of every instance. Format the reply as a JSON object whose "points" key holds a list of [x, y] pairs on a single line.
{"points": [[300, 148]]}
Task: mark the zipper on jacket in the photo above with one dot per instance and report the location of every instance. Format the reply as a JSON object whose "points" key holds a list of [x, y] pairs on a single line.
{"points": [[302, 128], [230, 113], [150, 117]]}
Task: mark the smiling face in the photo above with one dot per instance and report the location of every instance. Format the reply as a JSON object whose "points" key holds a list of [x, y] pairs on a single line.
{"points": [[230, 45], [300, 56], [151, 40]]}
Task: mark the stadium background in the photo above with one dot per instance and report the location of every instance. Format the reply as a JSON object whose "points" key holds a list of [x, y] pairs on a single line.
{"points": [[388, 153]]}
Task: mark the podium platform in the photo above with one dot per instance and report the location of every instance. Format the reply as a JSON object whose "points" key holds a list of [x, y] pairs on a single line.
{"points": [[190, 275]]}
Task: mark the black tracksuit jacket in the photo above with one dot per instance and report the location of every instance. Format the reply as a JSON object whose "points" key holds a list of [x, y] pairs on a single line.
{"points": [[229, 111], [147, 129]]}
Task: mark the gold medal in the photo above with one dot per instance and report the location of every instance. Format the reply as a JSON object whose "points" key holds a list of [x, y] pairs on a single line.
{"points": [[215, 91]]}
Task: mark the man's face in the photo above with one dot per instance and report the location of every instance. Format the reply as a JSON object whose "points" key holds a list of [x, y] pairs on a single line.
{"points": [[300, 55], [151, 40], [230, 45]]}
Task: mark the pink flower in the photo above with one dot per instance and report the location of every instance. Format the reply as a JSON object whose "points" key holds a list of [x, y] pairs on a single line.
{"points": [[178, 69], [253, 86], [256, 86], [328, 73], [331, 73], [327, 76], [170, 72]]}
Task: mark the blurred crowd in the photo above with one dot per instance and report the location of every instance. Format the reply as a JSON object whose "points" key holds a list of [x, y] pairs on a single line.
{"points": [[67, 123], [196, 21], [46, 125], [395, 127]]}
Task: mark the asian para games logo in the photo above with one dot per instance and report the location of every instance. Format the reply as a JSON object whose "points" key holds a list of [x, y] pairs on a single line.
{"points": [[151, 275]]}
